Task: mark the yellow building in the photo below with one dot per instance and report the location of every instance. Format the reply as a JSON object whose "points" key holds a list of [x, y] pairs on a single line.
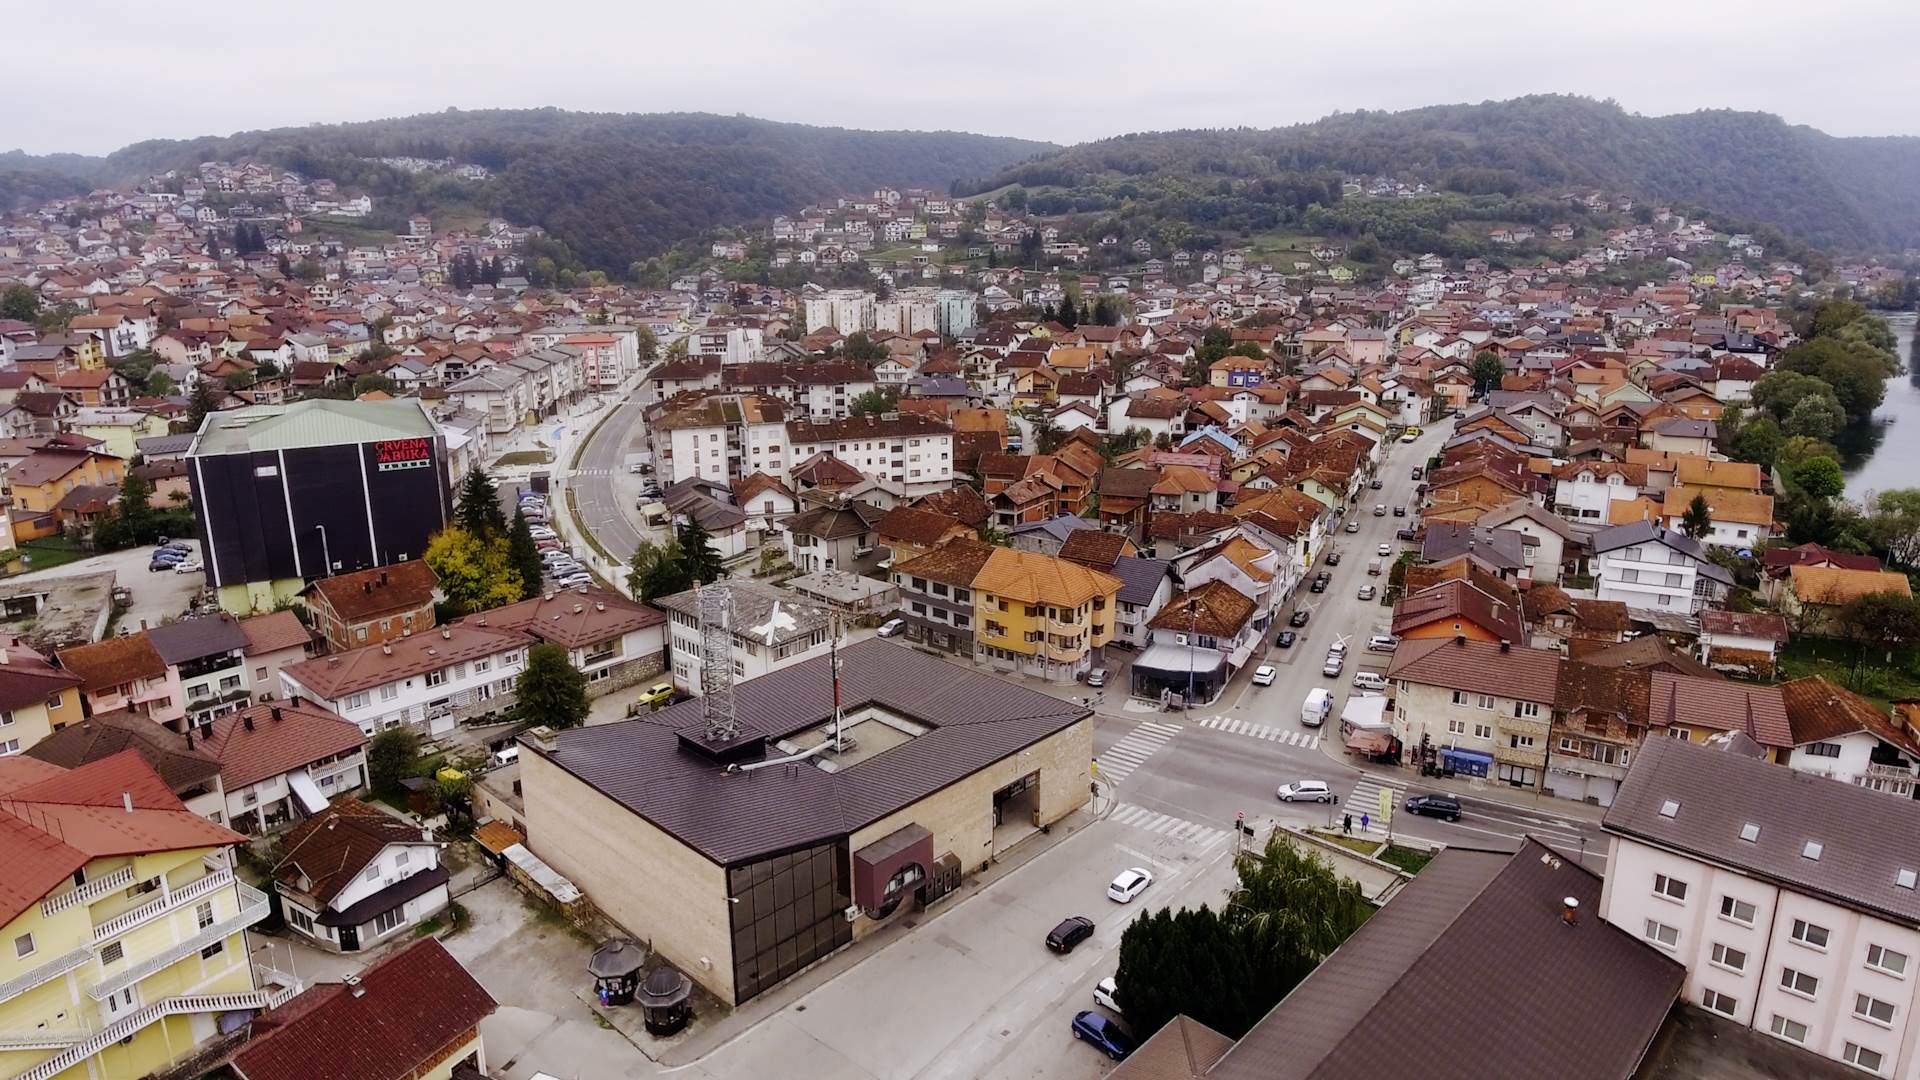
{"points": [[125, 942], [48, 474], [1038, 615], [119, 430], [36, 698]]}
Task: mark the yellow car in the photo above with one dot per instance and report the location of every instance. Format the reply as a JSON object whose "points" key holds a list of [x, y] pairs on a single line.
{"points": [[657, 694]]}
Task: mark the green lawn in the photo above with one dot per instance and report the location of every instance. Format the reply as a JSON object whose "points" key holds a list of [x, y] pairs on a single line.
{"points": [[525, 457], [1351, 843], [1870, 676], [1406, 859], [52, 551]]}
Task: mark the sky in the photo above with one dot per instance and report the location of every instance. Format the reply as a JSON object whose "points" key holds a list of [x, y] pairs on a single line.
{"points": [[1060, 73]]}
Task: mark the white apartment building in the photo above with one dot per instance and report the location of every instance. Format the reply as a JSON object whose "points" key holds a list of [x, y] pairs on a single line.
{"points": [[432, 680], [843, 310], [911, 450], [1650, 567], [771, 629], [1793, 901], [1583, 490], [722, 439], [732, 344]]}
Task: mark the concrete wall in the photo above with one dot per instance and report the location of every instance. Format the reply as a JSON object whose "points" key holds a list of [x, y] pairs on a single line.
{"points": [[960, 816], [658, 889]]}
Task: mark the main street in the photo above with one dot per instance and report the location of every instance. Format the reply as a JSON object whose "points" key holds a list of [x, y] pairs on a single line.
{"points": [[593, 479]]}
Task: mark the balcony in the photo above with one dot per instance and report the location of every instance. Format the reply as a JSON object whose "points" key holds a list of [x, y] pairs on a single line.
{"points": [[1583, 766], [1531, 758], [46, 972], [146, 913], [253, 908], [128, 1026], [88, 893]]}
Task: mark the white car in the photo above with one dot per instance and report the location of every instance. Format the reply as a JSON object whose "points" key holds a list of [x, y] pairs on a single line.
{"points": [[1305, 791], [189, 566], [1263, 675], [1370, 680], [1366, 592], [1104, 992], [1129, 884], [891, 627], [541, 532], [1353, 526], [1386, 550]]}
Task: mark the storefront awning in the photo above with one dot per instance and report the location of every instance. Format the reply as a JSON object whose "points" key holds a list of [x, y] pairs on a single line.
{"points": [[1167, 660]]}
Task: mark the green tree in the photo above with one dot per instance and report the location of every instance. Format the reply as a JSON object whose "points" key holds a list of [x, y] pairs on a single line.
{"points": [[19, 303], [372, 382], [1815, 417], [1487, 370], [875, 402], [1799, 449], [1291, 911], [859, 346], [479, 510], [202, 401], [1892, 525], [1105, 312], [1697, 521], [697, 552], [1882, 622], [392, 756], [646, 557], [1759, 441], [1779, 392], [678, 349], [133, 511], [475, 574], [648, 346], [1820, 477], [1187, 962], [524, 555], [551, 690]]}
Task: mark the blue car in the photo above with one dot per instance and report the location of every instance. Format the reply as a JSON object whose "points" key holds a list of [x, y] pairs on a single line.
{"points": [[1104, 1033]]}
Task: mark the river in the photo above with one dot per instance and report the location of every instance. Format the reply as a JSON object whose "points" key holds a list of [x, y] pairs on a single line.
{"points": [[1883, 454]]}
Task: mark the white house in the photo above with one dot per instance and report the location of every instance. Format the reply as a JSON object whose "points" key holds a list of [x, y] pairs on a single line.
{"points": [[355, 876], [1484, 707], [1583, 490], [771, 629], [431, 681], [909, 449], [1792, 900], [1651, 567], [1842, 736]]}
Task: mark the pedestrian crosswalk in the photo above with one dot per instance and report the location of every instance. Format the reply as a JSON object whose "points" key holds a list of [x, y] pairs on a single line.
{"points": [[1365, 801], [1284, 736], [1139, 817], [1120, 759]]}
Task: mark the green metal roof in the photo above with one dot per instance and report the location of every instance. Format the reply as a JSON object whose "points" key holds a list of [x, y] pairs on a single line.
{"points": [[310, 423]]}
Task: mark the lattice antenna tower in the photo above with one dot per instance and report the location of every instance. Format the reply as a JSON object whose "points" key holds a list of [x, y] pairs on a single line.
{"points": [[716, 662]]}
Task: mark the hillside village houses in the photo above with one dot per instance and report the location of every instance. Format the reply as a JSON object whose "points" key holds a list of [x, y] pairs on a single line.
{"points": [[1046, 495]]}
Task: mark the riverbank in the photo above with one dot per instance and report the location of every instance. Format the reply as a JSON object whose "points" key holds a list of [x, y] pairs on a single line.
{"points": [[1885, 453]]}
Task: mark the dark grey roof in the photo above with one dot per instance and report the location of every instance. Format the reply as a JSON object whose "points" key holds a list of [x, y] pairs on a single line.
{"points": [[1501, 549], [1865, 838], [1139, 578], [1059, 527], [753, 604], [191, 639], [974, 720], [1470, 972], [164, 445]]}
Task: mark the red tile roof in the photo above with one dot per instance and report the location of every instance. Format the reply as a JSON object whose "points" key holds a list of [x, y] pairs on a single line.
{"points": [[272, 739], [408, 1010], [328, 850]]}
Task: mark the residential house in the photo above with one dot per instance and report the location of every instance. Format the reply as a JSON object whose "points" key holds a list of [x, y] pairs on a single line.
{"points": [[615, 642], [1599, 722], [936, 592], [51, 473], [1648, 566], [1583, 490], [770, 629], [838, 536], [1476, 708], [432, 681], [36, 698], [1741, 642], [1477, 608], [908, 532], [127, 673], [1789, 898], [1842, 736], [1201, 637], [1811, 596], [125, 919], [206, 665], [354, 876], [1549, 545], [1739, 519], [1041, 615], [411, 1015], [1698, 708], [375, 605], [275, 640]]}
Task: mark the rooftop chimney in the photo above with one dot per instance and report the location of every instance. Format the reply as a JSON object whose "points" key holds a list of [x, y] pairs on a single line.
{"points": [[189, 738], [143, 624], [1459, 639], [383, 578], [1505, 645], [386, 649], [126, 800], [1570, 911], [446, 633], [353, 985], [276, 714], [366, 587], [246, 720]]}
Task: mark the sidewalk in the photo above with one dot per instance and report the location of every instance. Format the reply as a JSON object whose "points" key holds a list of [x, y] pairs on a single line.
{"points": [[1535, 801]]}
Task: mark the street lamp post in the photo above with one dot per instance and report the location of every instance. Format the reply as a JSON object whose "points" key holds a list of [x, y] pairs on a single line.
{"points": [[1192, 618], [326, 557]]}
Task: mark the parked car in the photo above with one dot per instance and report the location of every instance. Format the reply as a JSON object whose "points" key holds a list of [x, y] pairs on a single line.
{"points": [[1367, 591], [657, 694], [1379, 509], [1335, 662], [1263, 675], [1306, 791], [1399, 511], [1418, 472], [1104, 1033], [1131, 883], [1377, 484], [1097, 678], [1353, 526], [1333, 558], [1106, 994], [1285, 640], [1072, 930], [1301, 615], [1382, 643], [1318, 584], [1370, 680], [1440, 806], [541, 532], [891, 627], [188, 566], [1410, 436], [1404, 534], [553, 546], [575, 581]]}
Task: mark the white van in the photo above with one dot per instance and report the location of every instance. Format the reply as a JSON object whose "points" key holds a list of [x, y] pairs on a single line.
{"points": [[1318, 706]]}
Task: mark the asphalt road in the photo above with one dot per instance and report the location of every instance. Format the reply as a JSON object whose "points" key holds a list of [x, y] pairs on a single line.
{"points": [[593, 481]]}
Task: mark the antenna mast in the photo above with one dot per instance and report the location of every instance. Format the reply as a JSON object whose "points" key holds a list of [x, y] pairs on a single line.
{"points": [[833, 652], [715, 603]]}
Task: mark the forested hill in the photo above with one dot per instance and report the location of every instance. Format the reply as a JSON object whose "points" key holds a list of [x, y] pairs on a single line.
{"points": [[614, 186], [1845, 193]]}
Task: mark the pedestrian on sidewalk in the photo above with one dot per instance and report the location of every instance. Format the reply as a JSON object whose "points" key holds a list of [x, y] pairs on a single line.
{"points": [[1346, 824], [1365, 821]]}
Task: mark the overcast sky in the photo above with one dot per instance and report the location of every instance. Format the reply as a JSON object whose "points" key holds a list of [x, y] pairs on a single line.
{"points": [[90, 77]]}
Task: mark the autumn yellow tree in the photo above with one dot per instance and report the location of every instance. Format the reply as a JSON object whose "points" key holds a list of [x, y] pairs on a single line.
{"points": [[474, 574]]}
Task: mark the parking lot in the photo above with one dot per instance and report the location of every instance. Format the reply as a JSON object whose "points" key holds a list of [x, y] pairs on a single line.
{"points": [[157, 595]]}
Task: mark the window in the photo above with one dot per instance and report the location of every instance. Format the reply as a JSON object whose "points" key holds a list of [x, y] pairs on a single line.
{"points": [[1669, 887], [1823, 749], [1738, 910], [1567, 746], [1791, 1030], [1484, 701], [1661, 934], [358, 701], [1730, 958], [1799, 982], [1863, 1058], [400, 857], [203, 914], [1810, 935], [1456, 727], [435, 678], [373, 872], [1527, 709], [1483, 731], [1521, 742], [1873, 1010], [111, 953], [300, 919], [1880, 958], [23, 945], [1719, 1002], [389, 692], [1459, 697], [213, 950], [387, 920]]}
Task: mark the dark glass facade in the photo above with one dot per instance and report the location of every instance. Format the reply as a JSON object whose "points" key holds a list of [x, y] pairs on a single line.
{"points": [[788, 911]]}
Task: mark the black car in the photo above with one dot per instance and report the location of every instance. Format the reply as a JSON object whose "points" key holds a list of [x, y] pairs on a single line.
{"points": [[1286, 639], [1399, 511], [1319, 585], [1333, 558], [1404, 534], [1377, 484], [1300, 615], [1073, 930], [1440, 806]]}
